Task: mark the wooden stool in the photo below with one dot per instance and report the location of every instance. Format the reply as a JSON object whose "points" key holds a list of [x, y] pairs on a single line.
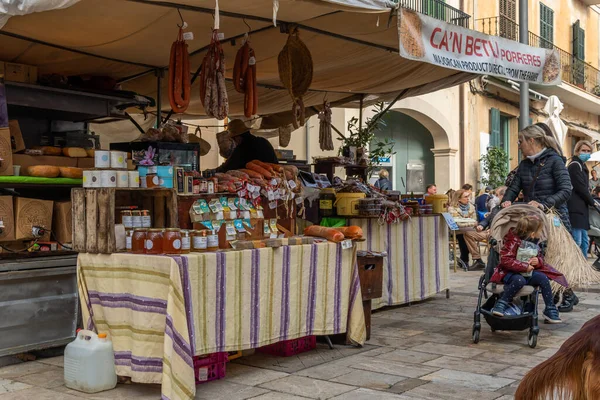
{"points": [[370, 273]]}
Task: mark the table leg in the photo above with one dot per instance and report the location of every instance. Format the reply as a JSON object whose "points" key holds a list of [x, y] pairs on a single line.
{"points": [[367, 311], [454, 248], [447, 293]]}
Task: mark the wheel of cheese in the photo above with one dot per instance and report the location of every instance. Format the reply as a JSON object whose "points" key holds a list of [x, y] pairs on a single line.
{"points": [[75, 152], [49, 150], [43, 171], [90, 152], [71, 172]]}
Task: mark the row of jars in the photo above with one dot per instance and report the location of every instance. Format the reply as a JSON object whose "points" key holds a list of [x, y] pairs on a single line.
{"points": [[136, 219], [170, 241]]}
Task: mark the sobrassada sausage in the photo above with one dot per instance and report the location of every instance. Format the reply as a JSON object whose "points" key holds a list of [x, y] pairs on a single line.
{"points": [[324, 232], [257, 168]]}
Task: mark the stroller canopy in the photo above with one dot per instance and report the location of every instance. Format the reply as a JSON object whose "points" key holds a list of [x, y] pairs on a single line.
{"points": [[508, 218]]}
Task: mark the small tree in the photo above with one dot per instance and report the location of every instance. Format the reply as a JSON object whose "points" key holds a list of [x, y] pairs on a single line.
{"points": [[495, 167]]}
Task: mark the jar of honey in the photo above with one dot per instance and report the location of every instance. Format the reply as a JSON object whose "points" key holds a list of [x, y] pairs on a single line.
{"points": [[213, 241], [199, 241], [186, 243], [128, 239], [136, 219], [172, 241], [138, 241], [127, 219], [154, 241], [146, 219]]}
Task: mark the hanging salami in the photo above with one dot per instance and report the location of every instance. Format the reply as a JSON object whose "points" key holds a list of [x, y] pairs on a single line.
{"points": [[179, 75], [244, 78], [213, 92]]}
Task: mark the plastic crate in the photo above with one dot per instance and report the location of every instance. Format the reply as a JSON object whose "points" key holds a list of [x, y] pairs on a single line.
{"points": [[210, 368], [292, 347]]}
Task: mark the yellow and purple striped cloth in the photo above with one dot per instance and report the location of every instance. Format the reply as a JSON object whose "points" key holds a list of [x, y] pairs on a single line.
{"points": [[161, 311], [417, 265]]}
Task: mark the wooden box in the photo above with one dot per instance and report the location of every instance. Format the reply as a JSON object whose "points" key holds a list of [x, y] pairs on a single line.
{"points": [[8, 218], [95, 214], [30, 213], [62, 222], [370, 273], [6, 166]]}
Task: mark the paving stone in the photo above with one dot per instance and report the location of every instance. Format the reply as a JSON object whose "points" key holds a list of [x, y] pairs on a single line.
{"points": [[56, 361], [467, 379], [511, 359], [394, 368], [325, 371], [313, 388], [448, 350], [251, 376], [362, 394], [406, 385], [369, 380], [377, 351], [21, 369], [413, 357], [395, 332], [282, 364], [435, 391], [385, 341], [547, 353], [224, 390], [509, 390], [516, 373], [8, 386], [121, 392], [460, 364], [51, 378], [37, 394], [278, 396]]}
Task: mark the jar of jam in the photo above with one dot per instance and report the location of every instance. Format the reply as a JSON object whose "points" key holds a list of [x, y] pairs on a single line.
{"points": [[138, 241], [186, 242], [172, 241], [146, 219], [128, 239], [213, 241], [154, 241], [136, 218], [199, 241], [127, 219]]}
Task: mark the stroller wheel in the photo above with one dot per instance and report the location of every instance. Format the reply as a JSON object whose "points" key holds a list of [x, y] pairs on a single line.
{"points": [[475, 336], [532, 340]]}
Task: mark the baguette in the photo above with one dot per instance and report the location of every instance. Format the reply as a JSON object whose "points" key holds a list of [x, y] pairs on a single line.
{"points": [[324, 232], [43, 171], [74, 152]]}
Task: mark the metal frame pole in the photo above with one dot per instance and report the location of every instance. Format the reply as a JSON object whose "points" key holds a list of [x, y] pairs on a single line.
{"points": [[158, 74], [524, 86]]}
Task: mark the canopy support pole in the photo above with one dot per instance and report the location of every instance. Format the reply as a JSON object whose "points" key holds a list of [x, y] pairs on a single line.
{"points": [[385, 110], [158, 74], [524, 86], [360, 113], [134, 122]]}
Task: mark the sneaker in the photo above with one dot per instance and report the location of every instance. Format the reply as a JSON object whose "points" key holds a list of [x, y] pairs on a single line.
{"points": [[477, 264], [551, 315], [500, 308], [565, 306], [571, 297]]}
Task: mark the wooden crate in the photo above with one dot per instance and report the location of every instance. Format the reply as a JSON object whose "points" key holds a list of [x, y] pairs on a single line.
{"points": [[95, 215]]}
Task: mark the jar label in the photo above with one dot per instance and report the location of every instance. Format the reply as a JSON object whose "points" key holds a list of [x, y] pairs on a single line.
{"points": [[146, 221], [185, 243], [200, 242], [177, 244], [149, 244], [128, 221], [326, 204], [213, 241], [128, 242], [137, 221]]}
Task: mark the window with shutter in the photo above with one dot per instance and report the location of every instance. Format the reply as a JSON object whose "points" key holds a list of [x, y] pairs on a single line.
{"points": [[508, 17], [578, 68], [434, 8], [494, 127], [546, 26]]}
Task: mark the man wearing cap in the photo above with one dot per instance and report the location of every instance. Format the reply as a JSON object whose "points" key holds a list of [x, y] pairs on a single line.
{"points": [[247, 147]]}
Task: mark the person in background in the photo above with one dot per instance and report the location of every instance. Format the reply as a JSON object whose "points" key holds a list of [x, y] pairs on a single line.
{"points": [[580, 198], [481, 203], [594, 231], [469, 188], [383, 183], [430, 190], [247, 147], [495, 197], [462, 208], [594, 181]]}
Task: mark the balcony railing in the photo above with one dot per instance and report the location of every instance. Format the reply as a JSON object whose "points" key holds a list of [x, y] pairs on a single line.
{"points": [[438, 10], [574, 71]]}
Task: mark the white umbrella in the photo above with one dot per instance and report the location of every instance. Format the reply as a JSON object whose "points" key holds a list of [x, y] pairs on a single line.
{"points": [[595, 157], [553, 108]]}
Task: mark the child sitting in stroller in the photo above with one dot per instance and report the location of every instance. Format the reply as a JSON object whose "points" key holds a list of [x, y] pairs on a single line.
{"points": [[522, 263]]}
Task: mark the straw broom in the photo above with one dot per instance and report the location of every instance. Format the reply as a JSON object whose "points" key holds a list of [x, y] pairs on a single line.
{"points": [[563, 254]]}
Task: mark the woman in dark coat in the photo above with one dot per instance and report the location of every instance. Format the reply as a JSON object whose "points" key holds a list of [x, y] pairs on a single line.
{"points": [[542, 175], [581, 198]]}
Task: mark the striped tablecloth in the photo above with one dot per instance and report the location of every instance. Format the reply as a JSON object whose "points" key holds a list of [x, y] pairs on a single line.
{"points": [[160, 311], [417, 263]]}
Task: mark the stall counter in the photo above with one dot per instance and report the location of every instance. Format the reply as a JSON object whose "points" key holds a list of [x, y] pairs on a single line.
{"points": [[416, 266], [215, 302]]}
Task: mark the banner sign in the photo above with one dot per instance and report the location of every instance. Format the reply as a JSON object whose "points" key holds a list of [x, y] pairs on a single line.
{"points": [[426, 39]]}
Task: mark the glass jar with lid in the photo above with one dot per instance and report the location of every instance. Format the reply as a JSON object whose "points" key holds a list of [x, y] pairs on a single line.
{"points": [[154, 241], [146, 219], [138, 241], [213, 241], [199, 241], [186, 243], [136, 217], [172, 241], [127, 219]]}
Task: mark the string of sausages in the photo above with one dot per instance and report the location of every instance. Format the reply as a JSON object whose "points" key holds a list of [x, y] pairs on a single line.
{"points": [[213, 92], [179, 75], [325, 137], [244, 78]]}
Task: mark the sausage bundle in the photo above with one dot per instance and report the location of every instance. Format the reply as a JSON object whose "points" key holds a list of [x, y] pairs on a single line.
{"points": [[213, 92], [179, 75], [244, 78]]}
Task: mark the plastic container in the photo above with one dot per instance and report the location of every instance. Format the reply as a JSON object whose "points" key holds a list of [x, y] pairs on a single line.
{"points": [[210, 368], [292, 347], [438, 201], [347, 203], [89, 364]]}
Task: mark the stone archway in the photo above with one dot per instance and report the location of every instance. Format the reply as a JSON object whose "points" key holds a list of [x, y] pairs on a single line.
{"points": [[444, 139]]}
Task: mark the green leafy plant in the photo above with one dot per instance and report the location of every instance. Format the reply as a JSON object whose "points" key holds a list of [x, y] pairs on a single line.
{"points": [[495, 166]]}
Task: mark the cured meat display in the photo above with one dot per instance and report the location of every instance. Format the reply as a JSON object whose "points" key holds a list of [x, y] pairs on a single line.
{"points": [[213, 92], [244, 78], [179, 75]]}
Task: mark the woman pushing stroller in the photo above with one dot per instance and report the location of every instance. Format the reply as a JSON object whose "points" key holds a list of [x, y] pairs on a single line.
{"points": [[522, 263]]}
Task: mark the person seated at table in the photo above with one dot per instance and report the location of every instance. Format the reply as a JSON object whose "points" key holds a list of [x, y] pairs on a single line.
{"points": [[480, 202], [430, 190], [469, 188], [464, 212]]}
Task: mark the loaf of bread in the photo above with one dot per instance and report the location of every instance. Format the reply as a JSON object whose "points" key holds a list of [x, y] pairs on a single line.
{"points": [[71, 172], [90, 152], [75, 152], [43, 171], [49, 150]]}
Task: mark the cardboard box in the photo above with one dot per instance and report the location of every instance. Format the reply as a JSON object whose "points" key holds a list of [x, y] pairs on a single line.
{"points": [[30, 213], [62, 222], [16, 136], [26, 161], [14, 72], [8, 218], [6, 167]]}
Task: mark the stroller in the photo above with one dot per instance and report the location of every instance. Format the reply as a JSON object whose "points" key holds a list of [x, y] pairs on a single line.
{"points": [[524, 313]]}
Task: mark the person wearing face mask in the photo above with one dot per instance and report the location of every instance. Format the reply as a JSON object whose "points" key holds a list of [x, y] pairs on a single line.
{"points": [[580, 199]]}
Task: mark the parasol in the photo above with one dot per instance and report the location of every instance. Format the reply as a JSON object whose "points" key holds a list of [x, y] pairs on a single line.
{"points": [[553, 108]]}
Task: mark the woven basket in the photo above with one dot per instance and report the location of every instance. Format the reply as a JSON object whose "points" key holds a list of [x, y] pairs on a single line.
{"points": [[295, 66], [285, 134]]}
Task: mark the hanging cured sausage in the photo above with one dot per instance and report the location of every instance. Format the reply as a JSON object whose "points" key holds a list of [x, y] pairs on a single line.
{"points": [[179, 75], [244, 78], [213, 92]]}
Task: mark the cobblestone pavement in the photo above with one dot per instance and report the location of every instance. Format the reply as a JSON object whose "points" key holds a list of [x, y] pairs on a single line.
{"points": [[423, 351]]}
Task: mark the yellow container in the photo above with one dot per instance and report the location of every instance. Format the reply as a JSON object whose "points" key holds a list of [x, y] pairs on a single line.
{"points": [[439, 201], [347, 203]]}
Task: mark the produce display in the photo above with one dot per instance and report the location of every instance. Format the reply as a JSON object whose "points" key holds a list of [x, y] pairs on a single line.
{"points": [[213, 92], [179, 75]]}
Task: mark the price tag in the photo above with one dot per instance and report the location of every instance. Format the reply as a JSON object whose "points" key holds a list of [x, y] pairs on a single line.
{"points": [[188, 35], [219, 215], [299, 200], [246, 214], [266, 229], [220, 36], [273, 236], [255, 195], [231, 204], [242, 193], [243, 204], [270, 195], [252, 61], [347, 244], [292, 184], [239, 225], [250, 188], [273, 225], [273, 205], [233, 214], [260, 214], [277, 195], [273, 182], [230, 228]]}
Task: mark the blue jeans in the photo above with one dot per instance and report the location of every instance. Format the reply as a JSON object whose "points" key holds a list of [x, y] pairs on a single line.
{"points": [[582, 239]]}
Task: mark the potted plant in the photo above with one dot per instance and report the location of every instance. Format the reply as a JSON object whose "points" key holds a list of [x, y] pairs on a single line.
{"points": [[495, 167]]}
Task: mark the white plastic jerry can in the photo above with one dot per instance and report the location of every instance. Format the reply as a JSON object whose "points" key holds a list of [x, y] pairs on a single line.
{"points": [[90, 363]]}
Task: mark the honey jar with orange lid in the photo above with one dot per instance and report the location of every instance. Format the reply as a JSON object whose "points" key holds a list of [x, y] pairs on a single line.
{"points": [[138, 241], [154, 241], [213, 241], [172, 241], [199, 241]]}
